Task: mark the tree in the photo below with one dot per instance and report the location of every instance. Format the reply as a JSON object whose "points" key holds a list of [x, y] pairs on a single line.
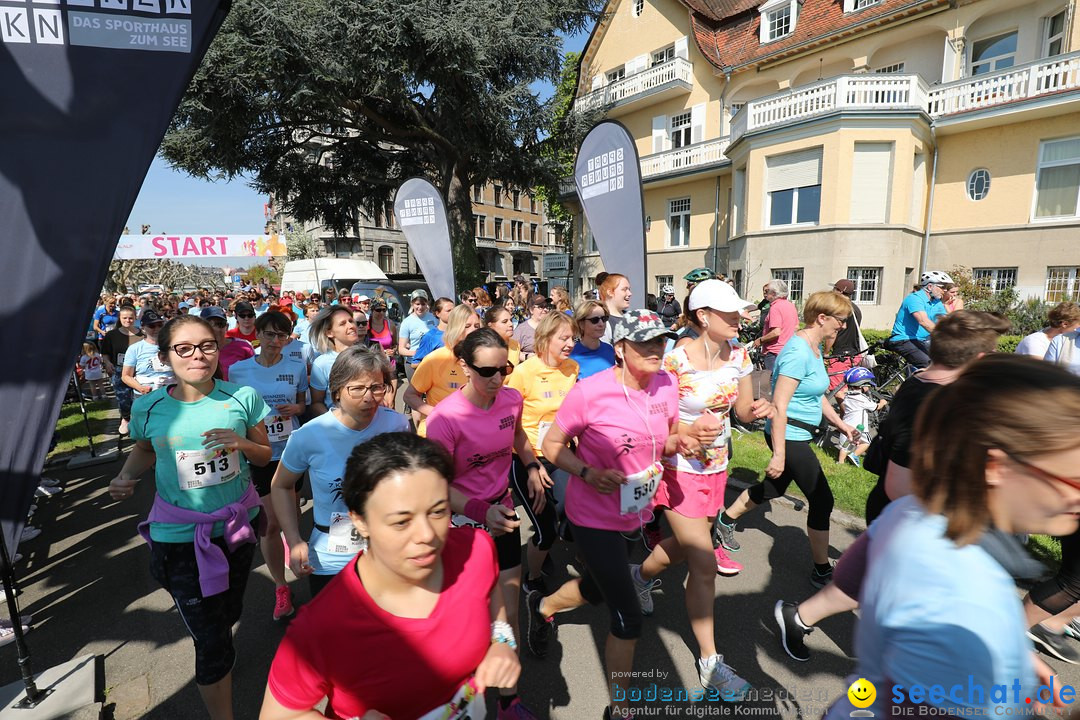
{"points": [[259, 273], [301, 245], [383, 90]]}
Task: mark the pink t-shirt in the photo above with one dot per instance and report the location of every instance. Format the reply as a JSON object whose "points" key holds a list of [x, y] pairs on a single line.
{"points": [[612, 434], [233, 353], [783, 315], [481, 441]]}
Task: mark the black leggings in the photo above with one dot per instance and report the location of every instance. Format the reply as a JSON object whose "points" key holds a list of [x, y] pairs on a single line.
{"points": [[606, 578], [1062, 591], [543, 525], [802, 466]]}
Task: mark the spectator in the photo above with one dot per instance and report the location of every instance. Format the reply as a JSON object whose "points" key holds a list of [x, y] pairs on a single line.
{"points": [[1064, 317], [525, 333], [780, 324]]}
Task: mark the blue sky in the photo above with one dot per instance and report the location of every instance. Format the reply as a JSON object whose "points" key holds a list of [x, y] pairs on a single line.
{"points": [[173, 202]]}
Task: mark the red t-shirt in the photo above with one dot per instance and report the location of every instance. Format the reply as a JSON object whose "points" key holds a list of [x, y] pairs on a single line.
{"points": [[344, 646], [252, 338]]}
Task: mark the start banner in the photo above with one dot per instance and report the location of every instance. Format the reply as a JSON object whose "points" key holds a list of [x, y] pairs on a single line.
{"points": [[141, 247]]}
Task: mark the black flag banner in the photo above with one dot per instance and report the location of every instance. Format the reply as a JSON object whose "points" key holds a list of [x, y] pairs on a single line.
{"points": [[87, 90]]}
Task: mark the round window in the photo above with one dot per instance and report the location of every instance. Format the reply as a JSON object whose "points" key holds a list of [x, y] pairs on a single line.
{"points": [[978, 184]]}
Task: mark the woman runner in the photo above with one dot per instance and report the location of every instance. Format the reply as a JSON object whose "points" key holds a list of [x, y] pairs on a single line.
{"points": [[591, 355], [501, 321], [439, 374], [333, 331]]}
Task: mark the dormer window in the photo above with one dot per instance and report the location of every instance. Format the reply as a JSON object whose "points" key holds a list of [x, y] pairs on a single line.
{"points": [[853, 5], [778, 19]]}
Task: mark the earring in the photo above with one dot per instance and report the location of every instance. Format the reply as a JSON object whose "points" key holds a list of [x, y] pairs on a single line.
{"points": [[705, 325]]}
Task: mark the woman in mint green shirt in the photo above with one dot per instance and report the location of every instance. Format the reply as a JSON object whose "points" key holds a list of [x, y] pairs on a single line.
{"points": [[799, 383], [199, 434]]}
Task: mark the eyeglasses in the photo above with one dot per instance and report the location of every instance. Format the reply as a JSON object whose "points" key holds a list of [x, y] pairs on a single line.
{"points": [[361, 323], [1044, 474], [186, 350], [378, 309], [470, 300], [841, 320], [597, 319], [274, 335], [357, 392], [246, 316], [487, 372]]}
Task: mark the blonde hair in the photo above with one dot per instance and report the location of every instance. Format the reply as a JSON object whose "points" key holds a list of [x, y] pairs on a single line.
{"points": [[561, 297], [548, 327], [321, 325], [825, 302], [89, 349], [455, 326], [583, 310]]}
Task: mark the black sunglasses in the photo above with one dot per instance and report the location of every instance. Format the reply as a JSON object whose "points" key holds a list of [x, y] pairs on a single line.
{"points": [[246, 316], [487, 372], [597, 319]]}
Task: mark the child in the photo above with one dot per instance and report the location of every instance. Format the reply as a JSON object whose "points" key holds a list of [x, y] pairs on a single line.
{"points": [[857, 408], [90, 363]]}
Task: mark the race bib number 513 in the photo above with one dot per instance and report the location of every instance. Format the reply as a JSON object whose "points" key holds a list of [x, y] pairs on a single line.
{"points": [[204, 468]]}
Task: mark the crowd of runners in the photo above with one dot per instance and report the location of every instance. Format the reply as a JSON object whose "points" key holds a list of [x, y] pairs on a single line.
{"points": [[609, 429]]}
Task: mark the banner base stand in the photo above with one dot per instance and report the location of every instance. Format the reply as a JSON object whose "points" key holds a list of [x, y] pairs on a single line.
{"points": [[87, 460], [73, 686]]}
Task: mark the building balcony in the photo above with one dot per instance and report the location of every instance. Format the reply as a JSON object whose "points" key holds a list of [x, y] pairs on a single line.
{"points": [[661, 82], [519, 246], [1026, 82], [483, 242], [691, 158]]}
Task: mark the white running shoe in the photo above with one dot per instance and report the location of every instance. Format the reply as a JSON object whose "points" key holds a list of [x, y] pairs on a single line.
{"points": [[44, 491], [123, 429], [644, 589], [715, 674]]}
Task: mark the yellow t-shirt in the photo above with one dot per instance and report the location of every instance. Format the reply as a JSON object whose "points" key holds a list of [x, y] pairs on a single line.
{"points": [[513, 352], [543, 389], [436, 377]]}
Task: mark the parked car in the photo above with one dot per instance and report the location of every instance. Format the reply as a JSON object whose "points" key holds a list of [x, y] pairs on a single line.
{"points": [[395, 293]]}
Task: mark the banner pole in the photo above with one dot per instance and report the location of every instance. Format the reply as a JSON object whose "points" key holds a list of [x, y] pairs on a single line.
{"points": [[85, 417], [33, 694]]}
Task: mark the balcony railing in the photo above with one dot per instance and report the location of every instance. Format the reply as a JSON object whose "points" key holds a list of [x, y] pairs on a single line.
{"points": [[683, 159], [677, 72], [1019, 83], [485, 242]]}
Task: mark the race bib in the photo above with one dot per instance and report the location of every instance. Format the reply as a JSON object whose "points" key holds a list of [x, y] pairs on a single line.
{"points": [[205, 468], [541, 433], [344, 538], [120, 360], [467, 704], [158, 366], [636, 494], [277, 428]]}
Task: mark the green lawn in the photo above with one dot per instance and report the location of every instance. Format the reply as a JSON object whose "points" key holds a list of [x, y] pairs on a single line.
{"points": [[850, 486], [71, 431]]}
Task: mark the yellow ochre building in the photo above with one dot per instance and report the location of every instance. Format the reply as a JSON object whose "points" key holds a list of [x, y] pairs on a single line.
{"points": [[818, 139]]}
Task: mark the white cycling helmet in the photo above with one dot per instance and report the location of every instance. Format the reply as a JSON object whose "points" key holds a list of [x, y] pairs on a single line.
{"points": [[935, 277], [667, 290]]}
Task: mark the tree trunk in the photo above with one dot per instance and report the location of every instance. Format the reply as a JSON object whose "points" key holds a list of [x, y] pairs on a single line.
{"points": [[467, 272]]}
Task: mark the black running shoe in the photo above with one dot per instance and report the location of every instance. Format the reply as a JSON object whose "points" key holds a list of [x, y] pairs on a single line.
{"points": [[1053, 644], [725, 535], [792, 632], [820, 579], [538, 629], [530, 585]]}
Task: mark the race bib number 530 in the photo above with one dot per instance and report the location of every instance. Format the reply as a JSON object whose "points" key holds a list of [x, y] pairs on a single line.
{"points": [[204, 468]]}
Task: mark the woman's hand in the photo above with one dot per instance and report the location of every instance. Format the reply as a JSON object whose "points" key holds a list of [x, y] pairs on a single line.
{"points": [[122, 487], [298, 559], [289, 410], [221, 438], [536, 490], [762, 409], [706, 429], [605, 481], [545, 479], [501, 520], [850, 432], [775, 467], [499, 668], [1046, 676]]}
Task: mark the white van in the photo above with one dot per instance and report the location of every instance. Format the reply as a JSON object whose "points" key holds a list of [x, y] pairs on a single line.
{"points": [[308, 275]]}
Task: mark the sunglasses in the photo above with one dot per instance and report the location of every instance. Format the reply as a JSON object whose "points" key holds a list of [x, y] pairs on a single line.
{"points": [[378, 309], [361, 323], [487, 372], [246, 316], [597, 319]]}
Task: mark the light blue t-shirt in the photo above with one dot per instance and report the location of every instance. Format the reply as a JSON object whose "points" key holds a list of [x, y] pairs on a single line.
{"points": [[591, 362], [1064, 350], [149, 368], [797, 360], [321, 448], [415, 328], [906, 327], [933, 613], [320, 374], [176, 430], [278, 384], [303, 325]]}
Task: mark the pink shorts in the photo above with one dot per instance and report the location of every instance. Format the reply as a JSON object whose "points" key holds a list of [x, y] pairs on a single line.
{"points": [[692, 495]]}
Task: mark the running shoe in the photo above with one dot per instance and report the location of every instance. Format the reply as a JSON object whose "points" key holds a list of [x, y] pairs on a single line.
{"points": [[651, 537], [283, 607], [821, 579], [7, 633], [538, 629], [49, 482], [792, 632], [123, 429], [515, 711], [715, 674], [644, 589], [24, 620], [1073, 629], [531, 585], [29, 532], [47, 492], [724, 564], [725, 535], [1053, 644]]}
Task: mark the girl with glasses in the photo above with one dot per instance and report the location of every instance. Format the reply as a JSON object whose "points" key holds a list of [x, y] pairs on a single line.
{"points": [[590, 353], [439, 374], [282, 382], [480, 426], [199, 434], [357, 385]]}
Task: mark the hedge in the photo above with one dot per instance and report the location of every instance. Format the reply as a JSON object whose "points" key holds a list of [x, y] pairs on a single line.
{"points": [[1006, 343]]}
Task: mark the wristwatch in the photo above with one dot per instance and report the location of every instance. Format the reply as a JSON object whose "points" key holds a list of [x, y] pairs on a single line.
{"points": [[584, 471], [533, 464]]}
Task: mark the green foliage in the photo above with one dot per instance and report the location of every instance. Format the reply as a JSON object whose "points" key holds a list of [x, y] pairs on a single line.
{"points": [[258, 273], [1026, 316], [127, 275], [330, 105], [1006, 343]]}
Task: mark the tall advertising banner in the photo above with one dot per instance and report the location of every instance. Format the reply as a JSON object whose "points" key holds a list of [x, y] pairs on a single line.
{"points": [[608, 179], [89, 89], [421, 214]]}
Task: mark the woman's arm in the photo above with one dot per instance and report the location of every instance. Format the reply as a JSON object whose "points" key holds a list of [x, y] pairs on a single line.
{"points": [[836, 421], [747, 407], [417, 403], [128, 378], [255, 445], [318, 402], [500, 666], [283, 498], [556, 450], [538, 478], [140, 459]]}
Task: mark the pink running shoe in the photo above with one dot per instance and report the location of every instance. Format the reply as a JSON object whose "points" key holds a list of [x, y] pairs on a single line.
{"points": [[724, 564], [283, 607], [651, 537]]}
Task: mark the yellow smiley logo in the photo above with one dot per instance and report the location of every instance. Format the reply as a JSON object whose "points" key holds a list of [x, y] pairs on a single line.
{"points": [[862, 693]]}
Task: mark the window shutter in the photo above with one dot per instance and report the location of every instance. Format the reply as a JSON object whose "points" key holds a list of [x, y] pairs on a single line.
{"points": [[792, 170], [697, 123], [871, 169], [637, 64], [738, 192], [682, 48], [659, 131], [597, 81], [918, 191]]}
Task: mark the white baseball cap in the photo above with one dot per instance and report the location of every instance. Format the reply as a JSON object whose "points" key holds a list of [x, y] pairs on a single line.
{"points": [[719, 296], [363, 298]]}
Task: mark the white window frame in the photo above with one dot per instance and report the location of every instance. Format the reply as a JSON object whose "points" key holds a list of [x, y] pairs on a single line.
{"points": [[996, 279], [379, 255], [794, 278], [676, 208], [1071, 287], [533, 233], [1040, 165], [478, 194], [497, 228], [779, 23], [662, 280], [969, 186], [616, 74], [1048, 39], [498, 196], [663, 55], [993, 62], [867, 285], [680, 130], [481, 226], [637, 7], [794, 208], [894, 69]]}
